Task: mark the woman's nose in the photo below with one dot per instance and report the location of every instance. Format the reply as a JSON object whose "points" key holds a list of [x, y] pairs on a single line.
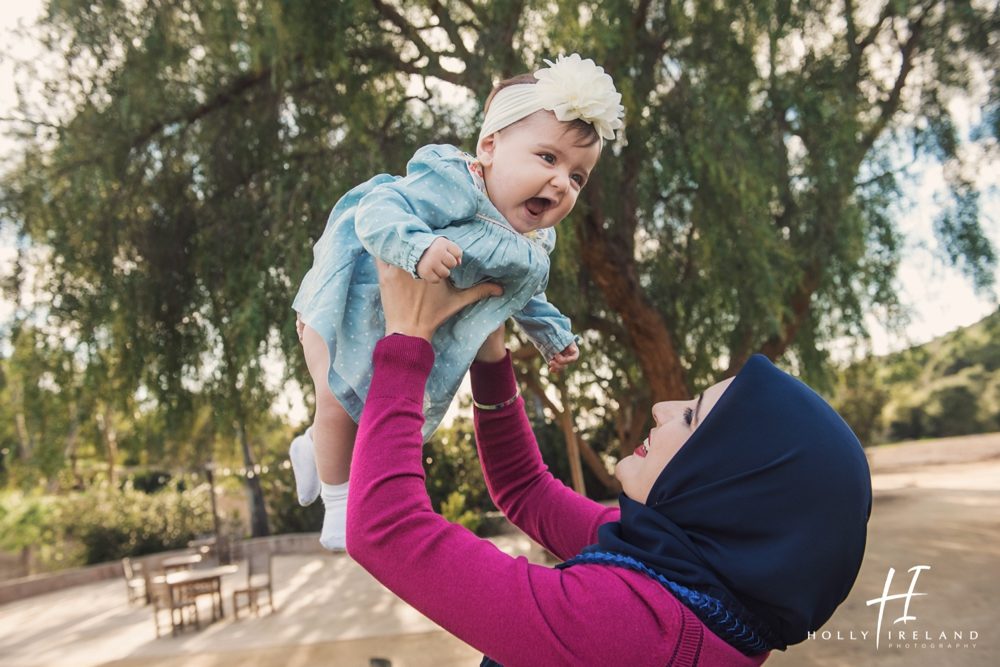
{"points": [[664, 411]]}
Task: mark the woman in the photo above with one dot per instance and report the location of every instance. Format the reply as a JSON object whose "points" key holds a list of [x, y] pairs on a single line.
{"points": [[742, 521]]}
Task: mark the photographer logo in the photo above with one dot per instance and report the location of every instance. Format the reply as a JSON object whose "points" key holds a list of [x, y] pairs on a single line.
{"points": [[906, 601]]}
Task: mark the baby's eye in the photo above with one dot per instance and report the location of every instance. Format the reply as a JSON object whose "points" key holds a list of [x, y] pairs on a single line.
{"points": [[548, 157], [579, 179], [688, 416]]}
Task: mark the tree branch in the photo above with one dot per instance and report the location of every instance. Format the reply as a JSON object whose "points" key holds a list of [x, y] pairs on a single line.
{"points": [[28, 121], [607, 327], [869, 39], [406, 28], [221, 99], [432, 69], [452, 28], [891, 104]]}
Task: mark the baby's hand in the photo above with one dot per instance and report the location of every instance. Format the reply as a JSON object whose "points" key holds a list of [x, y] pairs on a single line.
{"points": [[564, 358], [438, 260]]}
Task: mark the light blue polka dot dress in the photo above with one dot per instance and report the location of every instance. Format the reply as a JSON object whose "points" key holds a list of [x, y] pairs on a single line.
{"points": [[396, 219]]}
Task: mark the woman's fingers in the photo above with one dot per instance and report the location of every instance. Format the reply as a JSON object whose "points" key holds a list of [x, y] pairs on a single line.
{"points": [[478, 293], [419, 307]]}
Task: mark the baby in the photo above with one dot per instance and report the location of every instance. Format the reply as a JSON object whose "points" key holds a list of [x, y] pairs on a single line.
{"points": [[452, 217]]}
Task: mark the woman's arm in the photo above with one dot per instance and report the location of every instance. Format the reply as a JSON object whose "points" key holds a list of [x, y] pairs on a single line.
{"points": [[515, 612], [518, 480]]}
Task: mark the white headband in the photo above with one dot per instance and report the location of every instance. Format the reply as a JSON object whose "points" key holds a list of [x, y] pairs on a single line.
{"points": [[570, 87]]}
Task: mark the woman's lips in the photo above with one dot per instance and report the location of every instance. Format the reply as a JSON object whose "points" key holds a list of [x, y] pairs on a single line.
{"points": [[642, 449]]}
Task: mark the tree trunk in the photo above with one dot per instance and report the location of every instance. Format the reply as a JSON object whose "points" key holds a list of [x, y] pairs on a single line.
{"points": [[258, 510], [572, 447], [596, 466], [25, 447], [613, 270], [72, 440], [105, 422], [575, 446], [629, 423]]}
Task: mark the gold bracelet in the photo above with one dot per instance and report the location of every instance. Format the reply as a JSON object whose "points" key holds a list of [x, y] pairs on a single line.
{"points": [[497, 406]]}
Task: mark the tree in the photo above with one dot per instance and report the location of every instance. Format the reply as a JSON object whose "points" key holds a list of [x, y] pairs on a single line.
{"points": [[185, 154]]}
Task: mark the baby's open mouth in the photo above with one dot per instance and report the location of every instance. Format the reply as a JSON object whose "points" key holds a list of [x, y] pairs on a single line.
{"points": [[537, 205]]}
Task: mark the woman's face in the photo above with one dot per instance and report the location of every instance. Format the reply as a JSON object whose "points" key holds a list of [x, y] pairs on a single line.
{"points": [[673, 424]]}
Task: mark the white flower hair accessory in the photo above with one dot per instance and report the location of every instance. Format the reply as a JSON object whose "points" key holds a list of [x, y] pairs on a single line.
{"points": [[572, 88], [575, 88]]}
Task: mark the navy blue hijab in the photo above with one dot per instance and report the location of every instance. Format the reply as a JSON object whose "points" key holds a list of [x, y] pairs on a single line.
{"points": [[765, 508]]}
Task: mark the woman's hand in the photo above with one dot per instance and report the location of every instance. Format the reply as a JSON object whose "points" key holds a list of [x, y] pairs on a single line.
{"points": [[417, 307]]}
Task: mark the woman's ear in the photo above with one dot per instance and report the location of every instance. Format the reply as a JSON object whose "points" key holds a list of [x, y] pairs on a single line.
{"points": [[485, 149]]}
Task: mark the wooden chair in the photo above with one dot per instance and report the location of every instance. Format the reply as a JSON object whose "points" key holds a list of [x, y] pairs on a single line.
{"points": [[135, 582], [181, 610], [258, 581]]}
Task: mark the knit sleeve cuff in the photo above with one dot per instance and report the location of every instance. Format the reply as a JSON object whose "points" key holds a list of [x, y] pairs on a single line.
{"points": [[402, 364], [493, 383]]}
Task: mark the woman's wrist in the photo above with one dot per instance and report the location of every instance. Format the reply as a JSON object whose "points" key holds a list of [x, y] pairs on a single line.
{"points": [[493, 382], [492, 407], [414, 332]]}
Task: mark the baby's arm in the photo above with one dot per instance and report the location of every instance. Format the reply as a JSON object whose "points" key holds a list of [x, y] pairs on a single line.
{"points": [[549, 330], [395, 221]]}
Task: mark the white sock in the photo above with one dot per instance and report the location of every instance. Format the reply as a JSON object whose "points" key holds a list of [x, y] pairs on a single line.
{"points": [[303, 456], [334, 535]]}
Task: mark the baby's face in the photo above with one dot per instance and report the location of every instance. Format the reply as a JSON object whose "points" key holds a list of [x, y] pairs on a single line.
{"points": [[534, 170]]}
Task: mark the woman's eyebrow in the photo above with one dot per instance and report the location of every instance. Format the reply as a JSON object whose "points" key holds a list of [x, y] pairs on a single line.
{"points": [[697, 407]]}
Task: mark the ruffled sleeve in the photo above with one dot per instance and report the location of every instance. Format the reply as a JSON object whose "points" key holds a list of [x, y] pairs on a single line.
{"points": [[396, 221]]}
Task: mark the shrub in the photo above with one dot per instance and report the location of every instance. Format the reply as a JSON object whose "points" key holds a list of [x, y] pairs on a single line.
{"points": [[453, 509], [102, 523], [451, 465]]}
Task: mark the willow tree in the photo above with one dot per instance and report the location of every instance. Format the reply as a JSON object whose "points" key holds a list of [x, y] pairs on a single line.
{"points": [[751, 206], [184, 155]]}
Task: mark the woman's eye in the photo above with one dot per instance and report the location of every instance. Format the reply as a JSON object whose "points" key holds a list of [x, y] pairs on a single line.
{"points": [[688, 416], [548, 157]]}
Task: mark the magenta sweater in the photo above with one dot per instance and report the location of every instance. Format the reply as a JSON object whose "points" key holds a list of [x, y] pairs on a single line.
{"points": [[515, 612]]}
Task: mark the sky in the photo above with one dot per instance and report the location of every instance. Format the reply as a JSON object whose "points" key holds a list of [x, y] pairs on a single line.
{"points": [[939, 297]]}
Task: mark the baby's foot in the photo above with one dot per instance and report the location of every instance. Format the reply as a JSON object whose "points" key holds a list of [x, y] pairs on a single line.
{"points": [[304, 468], [334, 532]]}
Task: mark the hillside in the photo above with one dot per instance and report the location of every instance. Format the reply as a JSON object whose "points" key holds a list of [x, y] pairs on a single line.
{"points": [[948, 386]]}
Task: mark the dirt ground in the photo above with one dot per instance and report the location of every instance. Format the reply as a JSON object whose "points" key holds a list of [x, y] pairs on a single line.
{"points": [[937, 504]]}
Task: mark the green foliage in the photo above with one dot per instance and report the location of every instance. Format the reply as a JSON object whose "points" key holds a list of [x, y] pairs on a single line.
{"points": [[950, 386], [102, 524], [454, 480], [180, 160], [454, 509], [860, 398]]}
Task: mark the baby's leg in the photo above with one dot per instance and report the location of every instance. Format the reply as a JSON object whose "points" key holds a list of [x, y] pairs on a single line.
{"points": [[333, 433], [302, 452]]}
